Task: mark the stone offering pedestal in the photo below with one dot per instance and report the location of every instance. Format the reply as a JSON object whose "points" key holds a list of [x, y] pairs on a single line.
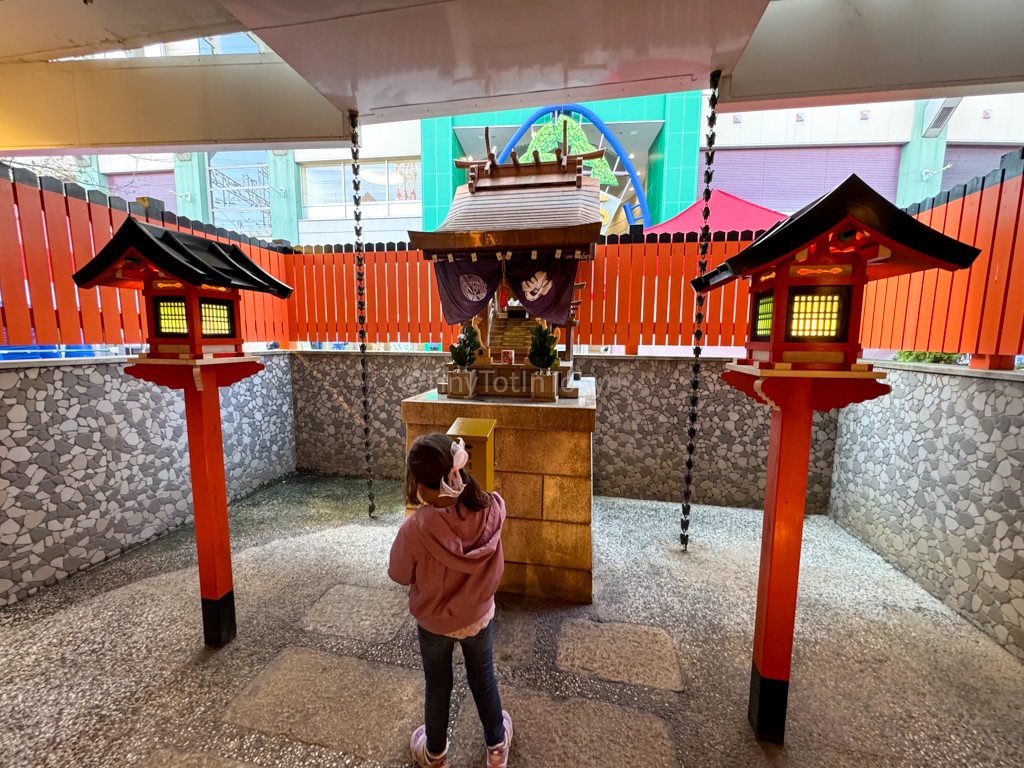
{"points": [[542, 454]]}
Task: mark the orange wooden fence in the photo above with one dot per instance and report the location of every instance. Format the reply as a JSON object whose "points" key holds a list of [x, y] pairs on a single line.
{"points": [[978, 311], [637, 292]]}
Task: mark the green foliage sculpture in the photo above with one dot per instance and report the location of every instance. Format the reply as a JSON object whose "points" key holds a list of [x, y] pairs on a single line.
{"points": [[464, 352], [542, 348], [550, 136]]}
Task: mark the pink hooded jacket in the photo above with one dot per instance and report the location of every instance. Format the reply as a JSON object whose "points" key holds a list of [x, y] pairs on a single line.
{"points": [[451, 566]]}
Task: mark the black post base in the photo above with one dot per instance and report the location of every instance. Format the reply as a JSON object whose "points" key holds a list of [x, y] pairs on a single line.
{"points": [[219, 620], [767, 708]]}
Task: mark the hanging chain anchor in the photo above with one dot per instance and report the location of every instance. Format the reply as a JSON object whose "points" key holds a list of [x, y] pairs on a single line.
{"points": [[698, 319], [361, 304]]}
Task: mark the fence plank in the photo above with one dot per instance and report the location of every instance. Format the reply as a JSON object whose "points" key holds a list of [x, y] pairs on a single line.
{"points": [[412, 265], [128, 298], [37, 263], [404, 311], [978, 279], [961, 278], [352, 297], [584, 274], [17, 320], [742, 308], [373, 303], [676, 287], [944, 280], [1011, 335], [659, 311], [634, 255], [426, 273], [301, 311], [390, 264], [319, 288], [930, 282], [647, 291], [716, 299], [1003, 243], [62, 266], [691, 254], [729, 308], [81, 246], [99, 217], [598, 293]]}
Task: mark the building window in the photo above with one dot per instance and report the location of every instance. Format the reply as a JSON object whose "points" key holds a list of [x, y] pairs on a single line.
{"points": [[818, 314], [171, 319], [387, 187], [763, 316], [218, 318], [239, 184]]}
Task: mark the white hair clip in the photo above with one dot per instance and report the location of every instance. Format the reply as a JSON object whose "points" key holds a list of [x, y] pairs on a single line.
{"points": [[460, 457]]}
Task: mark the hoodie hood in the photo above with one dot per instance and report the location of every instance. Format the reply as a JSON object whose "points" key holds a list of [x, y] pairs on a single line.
{"points": [[464, 545]]}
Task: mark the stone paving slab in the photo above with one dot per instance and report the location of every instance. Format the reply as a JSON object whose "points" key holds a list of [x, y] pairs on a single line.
{"points": [[169, 758], [358, 707], [515, 632], [362, 613], [626, 653], [550, 732]]}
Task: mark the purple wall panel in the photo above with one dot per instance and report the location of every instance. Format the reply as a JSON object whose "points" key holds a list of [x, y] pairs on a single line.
{"points": [[969, 161], [158, 184], [788, 178]]}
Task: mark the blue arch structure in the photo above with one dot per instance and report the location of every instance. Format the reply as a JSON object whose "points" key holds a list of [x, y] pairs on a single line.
{"points": [[613, 142]]}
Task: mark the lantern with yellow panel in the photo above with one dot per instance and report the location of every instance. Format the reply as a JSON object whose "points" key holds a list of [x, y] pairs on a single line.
{"points": [[807, 278], [191, 287]]}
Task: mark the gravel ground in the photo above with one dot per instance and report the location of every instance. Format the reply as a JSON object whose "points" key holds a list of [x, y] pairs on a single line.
{"points": [[108, 669]]}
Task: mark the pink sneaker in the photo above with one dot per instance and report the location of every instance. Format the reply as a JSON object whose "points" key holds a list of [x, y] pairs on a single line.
{"points": [[423, 758], [497, 757]]}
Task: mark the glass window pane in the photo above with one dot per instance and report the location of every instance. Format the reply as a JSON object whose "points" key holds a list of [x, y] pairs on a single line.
{"points": [[373, 181], [253, 223], [249, 176], [324, 185], [222, 159], [405, 182]]}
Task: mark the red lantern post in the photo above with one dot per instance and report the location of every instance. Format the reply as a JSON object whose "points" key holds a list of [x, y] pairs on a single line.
{"points": [[807, 277], [191, 292]]}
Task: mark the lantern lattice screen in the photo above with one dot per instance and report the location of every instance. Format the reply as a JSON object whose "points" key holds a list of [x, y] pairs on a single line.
{"points": [[763, 321], [171, 319], [814, 316], [216, 317]]}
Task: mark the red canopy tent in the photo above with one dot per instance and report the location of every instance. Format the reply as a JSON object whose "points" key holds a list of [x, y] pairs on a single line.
{"points": [[728, 213]]}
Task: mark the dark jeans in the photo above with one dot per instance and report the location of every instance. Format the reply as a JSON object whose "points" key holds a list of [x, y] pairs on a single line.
{"points": [[437, 668]]}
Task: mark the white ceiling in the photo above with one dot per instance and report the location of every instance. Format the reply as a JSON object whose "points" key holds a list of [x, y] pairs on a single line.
{"points": [[398, 59], [812, 52], [38, 30], [406, 59]]}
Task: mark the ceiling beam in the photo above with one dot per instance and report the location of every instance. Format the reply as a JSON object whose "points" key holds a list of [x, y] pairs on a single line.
{"points": [[97, 106]]}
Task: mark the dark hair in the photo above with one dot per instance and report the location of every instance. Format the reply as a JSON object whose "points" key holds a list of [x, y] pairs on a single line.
{"points": [[430, 460]]}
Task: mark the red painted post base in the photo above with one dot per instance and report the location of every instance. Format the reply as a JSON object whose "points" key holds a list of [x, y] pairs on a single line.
{"points": [[209, 488], [794, 400]]}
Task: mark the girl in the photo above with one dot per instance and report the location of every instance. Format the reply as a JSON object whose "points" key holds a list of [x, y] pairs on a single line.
{"points": [[448, 552]]}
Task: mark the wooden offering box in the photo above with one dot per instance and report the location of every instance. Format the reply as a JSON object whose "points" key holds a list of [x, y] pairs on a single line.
{"points": [[542, 468]]}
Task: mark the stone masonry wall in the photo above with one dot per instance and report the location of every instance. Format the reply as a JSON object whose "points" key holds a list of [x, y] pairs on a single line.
{"points": [[930, 478], [638, 444], [93, 462]]}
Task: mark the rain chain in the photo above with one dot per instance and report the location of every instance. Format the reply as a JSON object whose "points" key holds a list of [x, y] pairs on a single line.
{"points": [[361, 304], [698, 320]]}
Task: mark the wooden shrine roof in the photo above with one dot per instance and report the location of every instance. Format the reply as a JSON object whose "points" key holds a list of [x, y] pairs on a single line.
{"points": [[914, 246], [187, 257], [524, 204]]}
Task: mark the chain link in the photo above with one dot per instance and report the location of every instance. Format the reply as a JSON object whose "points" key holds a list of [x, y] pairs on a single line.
{"points": [[698, 319], [361, 304]]}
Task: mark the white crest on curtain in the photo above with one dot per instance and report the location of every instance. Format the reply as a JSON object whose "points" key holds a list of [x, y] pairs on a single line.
{"points": [[536, 286]]}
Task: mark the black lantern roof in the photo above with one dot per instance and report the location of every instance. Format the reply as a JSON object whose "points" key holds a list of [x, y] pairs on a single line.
{"points": [[187, 257], [914, 246]]}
